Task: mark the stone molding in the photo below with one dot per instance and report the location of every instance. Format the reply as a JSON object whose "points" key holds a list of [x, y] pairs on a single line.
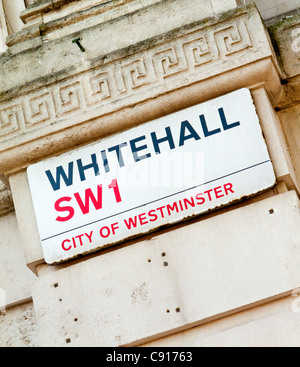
{"points": [[131, 76], [123, 77], [40, 7]]}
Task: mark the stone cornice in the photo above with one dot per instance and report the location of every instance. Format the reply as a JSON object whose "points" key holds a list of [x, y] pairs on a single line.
{"points": [[135, 84], [43, 6], [42, 18]]}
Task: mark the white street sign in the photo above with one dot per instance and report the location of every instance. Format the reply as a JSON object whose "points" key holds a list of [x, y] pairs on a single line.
{"points": [[158, 173]]}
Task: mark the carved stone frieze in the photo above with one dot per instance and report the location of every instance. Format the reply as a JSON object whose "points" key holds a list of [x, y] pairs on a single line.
{"points": [[130, 76]]}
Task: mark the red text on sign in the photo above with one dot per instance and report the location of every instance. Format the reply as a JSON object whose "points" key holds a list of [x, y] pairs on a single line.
{"points": [[84, 202], [77, 241]]}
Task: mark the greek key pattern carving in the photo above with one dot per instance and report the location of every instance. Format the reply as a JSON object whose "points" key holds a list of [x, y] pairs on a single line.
{"points": [[10, 119], [38, 109], [192, 54]]}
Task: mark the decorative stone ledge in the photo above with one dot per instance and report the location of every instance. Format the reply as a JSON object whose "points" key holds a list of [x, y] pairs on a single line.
{"points": [[115, 86], [46, 5], [43, 6], [57, 19]]}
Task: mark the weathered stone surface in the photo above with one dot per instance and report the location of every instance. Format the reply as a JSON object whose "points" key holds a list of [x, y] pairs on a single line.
{"points": [[15, 277], [18, 327], [6, 203], [175, 281], [286, 36], [275, 324], [224, 279], [97, 83]]}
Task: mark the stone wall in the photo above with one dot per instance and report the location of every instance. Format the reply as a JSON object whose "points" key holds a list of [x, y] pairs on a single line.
{"points": [[225, 278]]}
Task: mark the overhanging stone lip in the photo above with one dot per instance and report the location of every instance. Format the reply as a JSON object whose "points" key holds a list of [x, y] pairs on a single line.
{"points": [[43, 6], [46, 6], [43, 28]]}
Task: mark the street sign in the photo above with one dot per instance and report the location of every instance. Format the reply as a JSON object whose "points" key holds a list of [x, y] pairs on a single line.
{"points": [[156, 174]]}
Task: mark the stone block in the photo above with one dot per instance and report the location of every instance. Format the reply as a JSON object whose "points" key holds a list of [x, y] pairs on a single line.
{"points": [[286, 34], [18, 327], [275, 139], [274, 325], [223, 6], [15, 277], [27, 226], [291, 126]]}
